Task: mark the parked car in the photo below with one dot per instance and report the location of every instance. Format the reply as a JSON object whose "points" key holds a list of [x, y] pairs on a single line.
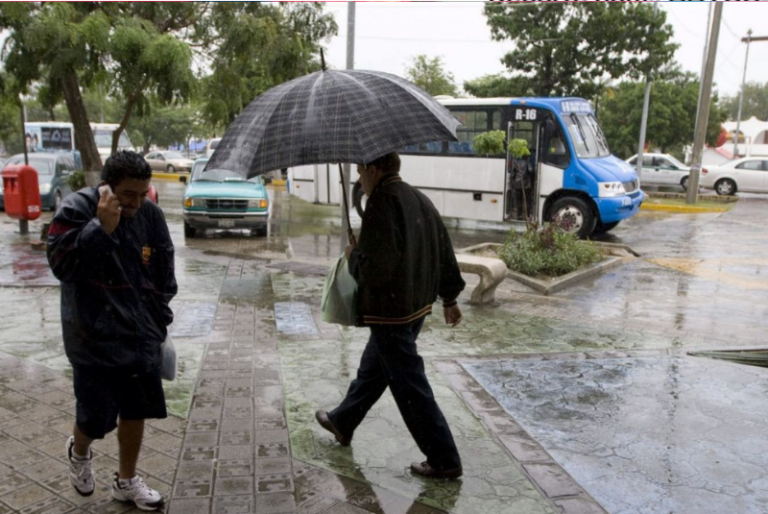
{"points": [[169, 161], [749, 174], [53, 172], [211, 146], [662, 169], [223, 199]]}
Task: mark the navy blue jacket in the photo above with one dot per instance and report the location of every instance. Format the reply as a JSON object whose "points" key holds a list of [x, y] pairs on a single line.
{"points": [[115, 289]]}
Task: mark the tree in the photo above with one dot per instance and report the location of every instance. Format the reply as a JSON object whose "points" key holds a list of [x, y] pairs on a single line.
{"points": [[164, 126], [128, 48], [430, 76], [565, 49], [755, 102], [256, 46], [671, 115], [489, 86]]}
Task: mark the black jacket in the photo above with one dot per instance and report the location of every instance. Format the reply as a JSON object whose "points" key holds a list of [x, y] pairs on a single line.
{"points": [[404, 259], [115, 289]]}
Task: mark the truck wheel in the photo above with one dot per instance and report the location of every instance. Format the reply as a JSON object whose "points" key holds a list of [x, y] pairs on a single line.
{"points": [[572, 215], [189, 230], [684, 183]]}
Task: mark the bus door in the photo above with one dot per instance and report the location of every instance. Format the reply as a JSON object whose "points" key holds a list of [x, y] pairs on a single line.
{"points": [[521, 175], [553, 158]]}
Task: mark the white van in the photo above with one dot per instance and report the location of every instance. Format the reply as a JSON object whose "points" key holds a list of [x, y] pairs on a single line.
{"points": [[212, 144]]}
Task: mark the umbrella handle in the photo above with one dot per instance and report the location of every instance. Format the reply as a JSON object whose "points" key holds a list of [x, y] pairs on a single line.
{"points": [[351, 235]]}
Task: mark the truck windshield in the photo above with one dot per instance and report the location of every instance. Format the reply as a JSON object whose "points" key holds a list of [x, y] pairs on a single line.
{"points": [[587, 137]]}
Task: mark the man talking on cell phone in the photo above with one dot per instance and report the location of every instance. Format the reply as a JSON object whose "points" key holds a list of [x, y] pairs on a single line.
{"points": [[113, 254]]}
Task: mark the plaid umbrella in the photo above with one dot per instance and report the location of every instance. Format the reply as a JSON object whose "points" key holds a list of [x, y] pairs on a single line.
{"points": [[331, 116]]}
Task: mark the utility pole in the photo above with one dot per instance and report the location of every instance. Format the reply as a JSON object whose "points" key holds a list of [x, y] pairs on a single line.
{"points": [[741, 98], [644, 120], [347, 168], [702, 116], [703, 63]]}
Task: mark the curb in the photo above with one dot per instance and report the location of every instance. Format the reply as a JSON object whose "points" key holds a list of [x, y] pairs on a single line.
{"points": [[174, 177], [681, 208]]}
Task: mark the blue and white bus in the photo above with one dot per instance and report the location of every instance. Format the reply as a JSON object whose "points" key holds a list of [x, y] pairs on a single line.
{"points": [[58, 135], [573, 178]]}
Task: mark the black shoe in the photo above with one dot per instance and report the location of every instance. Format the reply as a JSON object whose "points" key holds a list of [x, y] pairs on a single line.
{"points": [[322, 418], [426, 470]]}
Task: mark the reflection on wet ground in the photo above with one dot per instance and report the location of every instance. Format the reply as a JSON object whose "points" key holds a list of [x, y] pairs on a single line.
{"points": [[699, 284]]}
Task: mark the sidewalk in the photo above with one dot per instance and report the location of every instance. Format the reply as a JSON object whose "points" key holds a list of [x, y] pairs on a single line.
{"points": [[258, 361]]}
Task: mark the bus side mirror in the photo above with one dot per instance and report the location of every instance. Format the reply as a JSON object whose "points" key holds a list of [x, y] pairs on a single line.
{"points": [[183, 179]]}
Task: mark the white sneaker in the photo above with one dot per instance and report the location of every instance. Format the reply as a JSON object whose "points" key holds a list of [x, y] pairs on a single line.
{"points": [[138, 492], [80, 471]]}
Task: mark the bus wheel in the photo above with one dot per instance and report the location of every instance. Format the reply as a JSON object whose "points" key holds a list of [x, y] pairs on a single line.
{"points": [[602, 228], [358, 198], [572, 215]]}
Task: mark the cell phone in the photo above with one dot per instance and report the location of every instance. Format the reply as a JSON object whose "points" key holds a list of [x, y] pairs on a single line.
{"points": [[105, 187]]}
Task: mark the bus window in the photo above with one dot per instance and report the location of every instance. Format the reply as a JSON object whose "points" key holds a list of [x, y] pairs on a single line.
{"points": [[588, 139], [555, 149], [473, 122]]}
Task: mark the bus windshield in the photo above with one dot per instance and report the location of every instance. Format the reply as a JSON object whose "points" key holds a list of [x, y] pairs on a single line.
{"points": [[586, 134], [103, 139]]}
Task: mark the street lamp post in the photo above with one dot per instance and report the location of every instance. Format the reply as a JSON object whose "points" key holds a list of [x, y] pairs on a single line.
{"points": [[741, 99]]}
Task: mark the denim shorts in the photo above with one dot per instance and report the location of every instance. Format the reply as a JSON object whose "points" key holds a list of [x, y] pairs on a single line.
{"points": [[104, 394]]}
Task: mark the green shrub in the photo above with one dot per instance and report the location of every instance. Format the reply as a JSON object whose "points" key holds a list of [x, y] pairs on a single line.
{"points": [[548, 251], [77, 180], [489, 143]]}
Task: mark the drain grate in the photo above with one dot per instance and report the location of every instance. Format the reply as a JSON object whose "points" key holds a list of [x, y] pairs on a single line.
{"points": [[295, 318]]}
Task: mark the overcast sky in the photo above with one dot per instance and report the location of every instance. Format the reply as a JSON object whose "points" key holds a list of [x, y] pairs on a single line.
{"points": [[389, 35]]}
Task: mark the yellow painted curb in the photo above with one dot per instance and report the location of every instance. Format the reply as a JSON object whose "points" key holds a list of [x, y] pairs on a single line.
{"points": [[278, 182], [169, 176], [680, 208]]}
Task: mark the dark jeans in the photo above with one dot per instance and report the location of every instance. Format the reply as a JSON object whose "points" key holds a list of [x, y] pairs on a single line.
{"points": [[390, 360]]}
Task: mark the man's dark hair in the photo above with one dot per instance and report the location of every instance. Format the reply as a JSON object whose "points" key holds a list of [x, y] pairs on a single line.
{"points": [[389, 163], [125, 164]]}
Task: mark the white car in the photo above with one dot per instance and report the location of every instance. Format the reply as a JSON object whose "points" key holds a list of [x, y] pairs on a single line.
{"points": [[662, 169], [169, 161], [749, 175]]}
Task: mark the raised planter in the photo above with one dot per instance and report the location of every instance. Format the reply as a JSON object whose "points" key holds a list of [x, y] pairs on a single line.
{"points": [[615, 254]]}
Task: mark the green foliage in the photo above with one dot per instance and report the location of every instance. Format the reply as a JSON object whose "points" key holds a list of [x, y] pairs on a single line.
{"points": [[490, 86], [164, 126], [430, 75], [256, 46], [564, 49], [76, 180], [755, 102], [671, 115], [489, 143], [548, 252], [518, 148]]}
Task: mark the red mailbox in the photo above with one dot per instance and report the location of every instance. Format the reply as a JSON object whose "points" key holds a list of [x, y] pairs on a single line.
{"points": [[22, 192]]}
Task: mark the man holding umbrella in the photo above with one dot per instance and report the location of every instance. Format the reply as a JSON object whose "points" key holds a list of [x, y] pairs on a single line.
{"points": [[403, 262]]}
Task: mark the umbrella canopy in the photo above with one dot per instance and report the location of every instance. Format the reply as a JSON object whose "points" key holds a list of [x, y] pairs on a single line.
{"points": [[331, 116]]}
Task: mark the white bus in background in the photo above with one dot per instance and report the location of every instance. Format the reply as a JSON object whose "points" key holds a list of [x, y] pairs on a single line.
{"points": [[43, 136], [102, 134], [575, 179]]}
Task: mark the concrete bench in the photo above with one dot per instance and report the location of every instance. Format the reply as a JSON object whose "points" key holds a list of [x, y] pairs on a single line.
{"points": [[492, 272]]}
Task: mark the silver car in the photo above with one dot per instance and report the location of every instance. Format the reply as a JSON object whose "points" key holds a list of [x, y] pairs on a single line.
{"points": [[170, 161]]}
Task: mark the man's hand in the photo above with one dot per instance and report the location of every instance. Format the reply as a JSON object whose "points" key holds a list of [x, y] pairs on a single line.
{"points": [[452, 315], [108, 211], [349, 248]]}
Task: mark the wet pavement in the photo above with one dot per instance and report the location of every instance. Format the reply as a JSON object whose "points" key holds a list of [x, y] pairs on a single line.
{"points": [[584, 401]]}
